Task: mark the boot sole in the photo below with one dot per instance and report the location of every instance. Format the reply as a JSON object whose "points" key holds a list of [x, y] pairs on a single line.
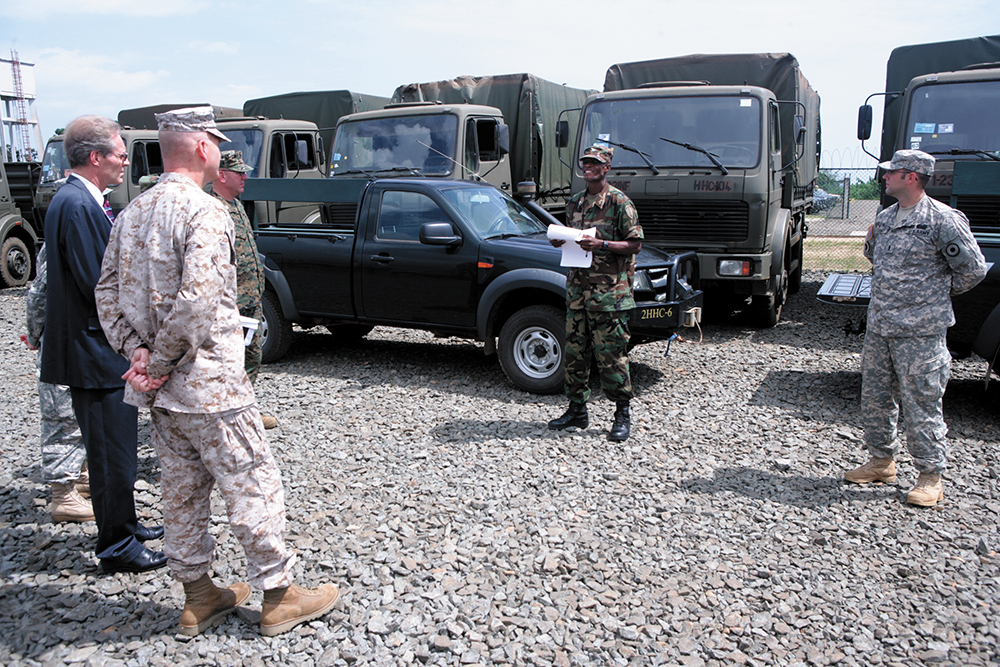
{"points": [[884, 480], [563, 428], [925, 503], [213, 620], [71, 518], [275, 630]]}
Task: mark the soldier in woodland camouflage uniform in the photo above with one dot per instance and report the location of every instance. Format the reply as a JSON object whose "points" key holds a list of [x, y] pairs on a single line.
{"points": [[167, 301], [64, 458], [599, 298], [922, 253], [249, 270]]}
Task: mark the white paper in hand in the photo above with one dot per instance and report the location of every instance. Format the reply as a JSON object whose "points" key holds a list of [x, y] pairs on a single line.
{"points": [[572, 253]]}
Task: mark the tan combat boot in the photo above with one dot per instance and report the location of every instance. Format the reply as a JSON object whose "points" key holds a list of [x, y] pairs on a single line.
{"points": [[205, 604], [83, 482], [284, 608], [68, 505], [927, 492], [269, 421], [876, 470]]}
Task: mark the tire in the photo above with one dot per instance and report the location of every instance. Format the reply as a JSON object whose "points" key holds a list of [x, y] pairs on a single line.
{"points": [[346, 334], [532, 349], [276, 331], [766, 310], [15, 262]]}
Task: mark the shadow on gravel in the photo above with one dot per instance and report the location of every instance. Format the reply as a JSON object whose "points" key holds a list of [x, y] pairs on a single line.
{"points": [[808, 394], [794, 490]]}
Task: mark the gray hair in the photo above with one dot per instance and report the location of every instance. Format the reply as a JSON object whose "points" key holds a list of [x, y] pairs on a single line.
{"points": [[87, 134]]}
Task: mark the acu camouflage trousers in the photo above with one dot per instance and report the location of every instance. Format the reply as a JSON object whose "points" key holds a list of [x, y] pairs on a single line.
{"points": [[63, 452], [907, 373], [198, 451], [601, 336]]}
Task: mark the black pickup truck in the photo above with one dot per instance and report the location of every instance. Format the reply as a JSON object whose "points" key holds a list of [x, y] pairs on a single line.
{"points": [[456, 258]]}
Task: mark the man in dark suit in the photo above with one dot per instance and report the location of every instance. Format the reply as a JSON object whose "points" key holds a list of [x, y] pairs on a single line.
{"points": [[76, 352]]}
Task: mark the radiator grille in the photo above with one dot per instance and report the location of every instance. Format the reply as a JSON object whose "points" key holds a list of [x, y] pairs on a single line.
{"points": [[700, 221]]}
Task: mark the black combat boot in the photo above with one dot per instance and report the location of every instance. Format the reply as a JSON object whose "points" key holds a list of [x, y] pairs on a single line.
{"points": [[575, 415], [623, 422]]}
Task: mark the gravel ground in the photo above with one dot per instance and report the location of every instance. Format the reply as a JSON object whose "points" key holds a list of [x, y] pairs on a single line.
{"points": [[462, 531]]}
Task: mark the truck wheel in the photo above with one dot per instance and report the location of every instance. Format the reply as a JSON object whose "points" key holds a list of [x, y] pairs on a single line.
{"points": [[15, 269], [766, 310], [531, 349], [276, 331]]}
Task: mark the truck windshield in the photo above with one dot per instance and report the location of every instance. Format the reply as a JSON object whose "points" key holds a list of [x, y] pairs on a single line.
{"points": [[492, 213], [425, 144], [250, 142], [726, 126], [961, 117], [54, 163]]}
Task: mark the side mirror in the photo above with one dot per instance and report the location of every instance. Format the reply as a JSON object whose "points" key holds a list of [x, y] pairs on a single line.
{"points": [[301, 159], [320, 149], [865, 122], [800, 130], [439, 233], [503, 138], [562, 134]]}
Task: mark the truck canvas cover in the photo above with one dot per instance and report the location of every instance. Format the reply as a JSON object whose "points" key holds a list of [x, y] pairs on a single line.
{"points": [[907, 62], [777, 72], [530, 107], [144, 118], [323, 107]]}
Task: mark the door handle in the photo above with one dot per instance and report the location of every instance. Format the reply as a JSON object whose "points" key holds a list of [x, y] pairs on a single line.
{"points": [[382, 259]]}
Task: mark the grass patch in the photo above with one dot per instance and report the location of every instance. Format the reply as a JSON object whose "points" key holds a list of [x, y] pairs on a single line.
{"points": [[834, 254]]}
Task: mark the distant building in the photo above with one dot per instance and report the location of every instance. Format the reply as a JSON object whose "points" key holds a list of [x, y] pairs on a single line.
{"points": [[18, 142]]}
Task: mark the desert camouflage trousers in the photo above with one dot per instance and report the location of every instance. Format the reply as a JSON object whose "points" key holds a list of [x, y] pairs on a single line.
{"points": [[63, 453], [600, 336], [907, 373], [198, 451]]}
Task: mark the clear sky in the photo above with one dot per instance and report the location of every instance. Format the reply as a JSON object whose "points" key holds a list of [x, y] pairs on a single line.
{"points": [[100, 56]]}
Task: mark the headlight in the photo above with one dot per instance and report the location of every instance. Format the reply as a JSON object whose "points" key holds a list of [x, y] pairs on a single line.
{"points": [[735, 267]]}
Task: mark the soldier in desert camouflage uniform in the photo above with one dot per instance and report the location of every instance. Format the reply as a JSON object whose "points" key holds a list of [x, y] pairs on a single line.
{"points": [[64, 458], [599, 298], [922, 252], [167, 302], [249, 270]]}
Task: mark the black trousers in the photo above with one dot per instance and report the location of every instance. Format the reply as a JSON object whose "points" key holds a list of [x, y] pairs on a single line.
{"points": [[109, 428]]}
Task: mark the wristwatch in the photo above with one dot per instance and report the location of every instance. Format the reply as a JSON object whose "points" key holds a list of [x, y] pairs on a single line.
{"points": [[604, 246]]}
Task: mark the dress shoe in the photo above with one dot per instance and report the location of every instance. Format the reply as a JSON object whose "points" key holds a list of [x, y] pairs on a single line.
{"points": [[144, 533], [144, 561], [575, 415]]}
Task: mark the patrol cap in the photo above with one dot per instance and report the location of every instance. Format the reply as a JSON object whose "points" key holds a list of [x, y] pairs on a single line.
{"points": [[233, 161], [602, 154], [192, 119], [918, 162]]}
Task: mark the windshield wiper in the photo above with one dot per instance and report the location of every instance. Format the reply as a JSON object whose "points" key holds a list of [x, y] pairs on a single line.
{"points": [[505, 235], [967, 151], [644, 156], [411, 170], [699, 149], [354, 171]]}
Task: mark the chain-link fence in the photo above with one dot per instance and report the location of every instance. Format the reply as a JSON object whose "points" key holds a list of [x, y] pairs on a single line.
{"points": [[845, 202]]}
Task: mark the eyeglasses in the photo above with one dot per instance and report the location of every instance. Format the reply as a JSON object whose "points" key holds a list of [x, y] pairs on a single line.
{"points": [[120, 156]]}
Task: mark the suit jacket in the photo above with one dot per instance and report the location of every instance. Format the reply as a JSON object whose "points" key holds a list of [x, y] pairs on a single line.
{"points": [[76, 352]]}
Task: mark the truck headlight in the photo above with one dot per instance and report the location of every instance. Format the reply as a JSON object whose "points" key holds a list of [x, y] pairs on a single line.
{"points": [[735, 267]]}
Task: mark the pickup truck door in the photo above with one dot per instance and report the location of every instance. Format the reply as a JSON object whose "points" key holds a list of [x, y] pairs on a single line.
{"points": [[403, 280]]}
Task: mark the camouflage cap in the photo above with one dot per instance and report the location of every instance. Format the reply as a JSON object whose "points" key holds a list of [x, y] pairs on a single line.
{"points": [[233, 161], [192, 119], [602, 154], [918, 162]]}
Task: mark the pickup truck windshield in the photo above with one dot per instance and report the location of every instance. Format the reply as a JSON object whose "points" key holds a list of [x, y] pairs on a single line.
{"points": [[492, 213], [425, 144], [54, 163], [726, 126], [960, 117], [250, 142]]}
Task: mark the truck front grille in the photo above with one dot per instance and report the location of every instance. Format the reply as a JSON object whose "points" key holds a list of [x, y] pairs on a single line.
{"points": [[698, 221], [983, 211]]}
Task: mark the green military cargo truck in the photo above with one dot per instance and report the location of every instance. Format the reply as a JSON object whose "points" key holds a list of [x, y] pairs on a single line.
{"points": [[720, 154]]}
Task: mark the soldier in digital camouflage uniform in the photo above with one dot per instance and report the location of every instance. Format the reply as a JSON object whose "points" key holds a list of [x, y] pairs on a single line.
{"points": [[64, 457], [922, 253], [599, 298], [249, 270], [167, 302]]}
